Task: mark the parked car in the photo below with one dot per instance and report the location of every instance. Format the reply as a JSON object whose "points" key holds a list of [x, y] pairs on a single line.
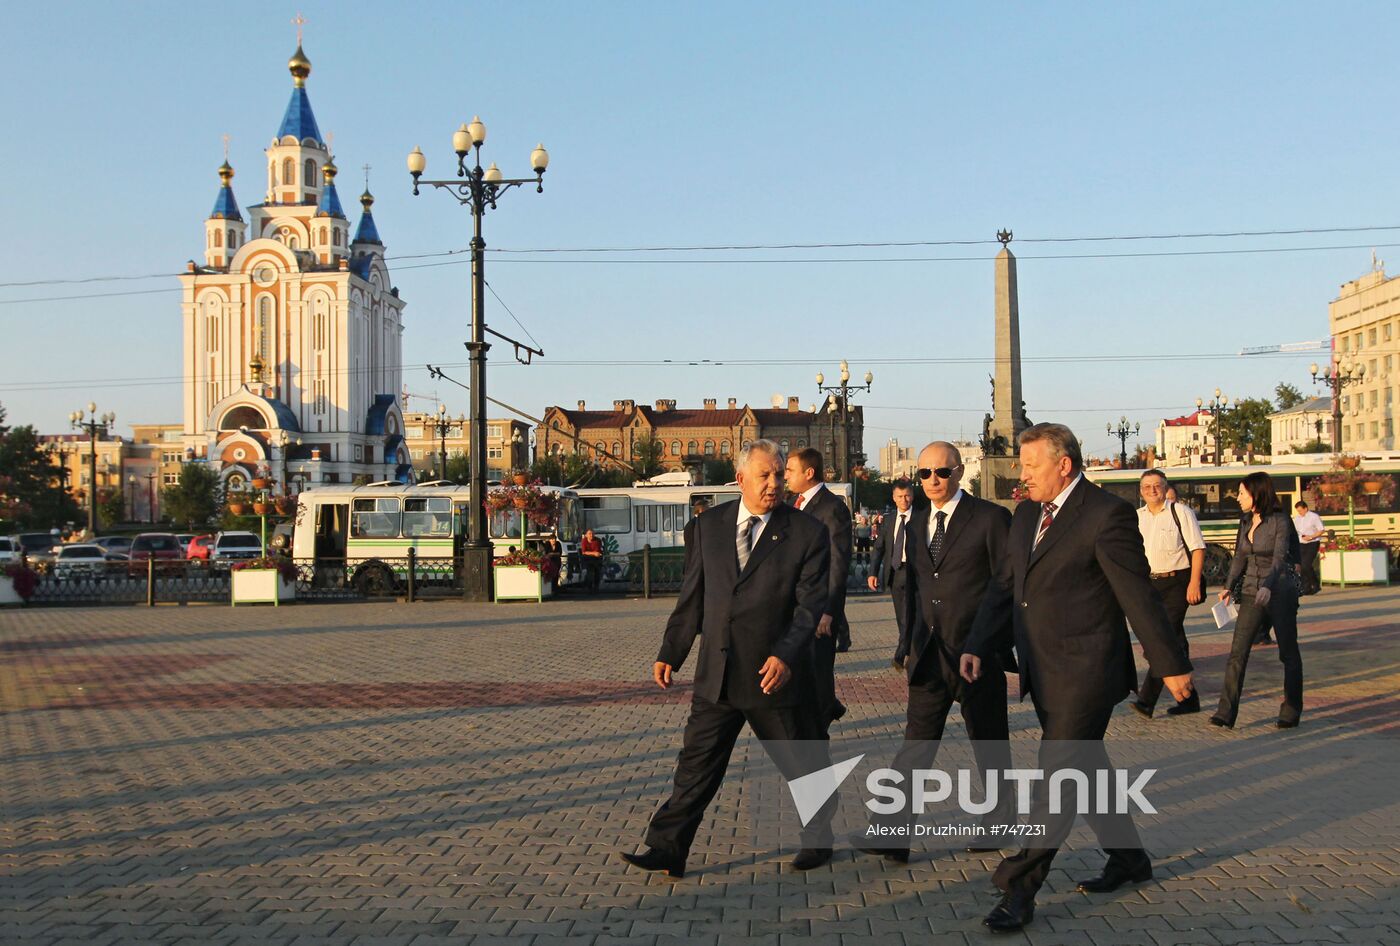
{"points": [[234, 547], [160, 546], [115, 545], [199, 548], [38, 547], [9, 549], [80, 561]]}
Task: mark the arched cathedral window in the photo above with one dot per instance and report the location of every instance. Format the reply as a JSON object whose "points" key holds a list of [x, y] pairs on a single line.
{"points": [[265, 328], [289, 171], [309, 175]]}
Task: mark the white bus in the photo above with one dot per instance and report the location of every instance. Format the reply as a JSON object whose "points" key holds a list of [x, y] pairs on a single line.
{"points": [[361, 535]]}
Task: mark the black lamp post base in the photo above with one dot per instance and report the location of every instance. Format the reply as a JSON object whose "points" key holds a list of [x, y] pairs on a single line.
{"points": [[476, 573]]}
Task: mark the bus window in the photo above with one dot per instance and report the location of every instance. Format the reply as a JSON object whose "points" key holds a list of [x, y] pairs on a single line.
{"points": [[427, 516], [666, 517], [653, 519], [641, 514], [570, 525], [375, 518], [607, 514]]}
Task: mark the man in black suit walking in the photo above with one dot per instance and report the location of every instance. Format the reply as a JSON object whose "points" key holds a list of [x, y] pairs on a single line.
{"points": [[1074, 569], [805, 480], [889, 563], [951, 564], [754, 589]]}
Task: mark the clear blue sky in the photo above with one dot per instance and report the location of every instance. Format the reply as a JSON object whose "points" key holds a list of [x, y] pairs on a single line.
{"points": [[725, 123]]}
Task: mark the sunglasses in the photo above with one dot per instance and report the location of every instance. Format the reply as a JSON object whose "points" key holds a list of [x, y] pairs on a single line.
{"points": [[942, 472]]}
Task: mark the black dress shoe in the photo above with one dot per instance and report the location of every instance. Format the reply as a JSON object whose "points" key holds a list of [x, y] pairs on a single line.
{"points": [[899, 855], [1217, 721], [1191, 704], [652, 859], [810, 857], [1114, 876], [1288, 724], [1141, 708], [897, 663], [1014, 912]]}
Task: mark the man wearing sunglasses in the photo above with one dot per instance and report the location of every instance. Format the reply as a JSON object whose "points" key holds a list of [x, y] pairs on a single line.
{"points": [[956, 547]]}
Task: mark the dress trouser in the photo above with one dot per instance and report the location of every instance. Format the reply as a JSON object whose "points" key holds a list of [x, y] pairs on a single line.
{"points": [[1172, 592], [899, 593], [710, 734], [1283, 612], [933, 688], [1307, 552], [824, 682], [1027, 869]]}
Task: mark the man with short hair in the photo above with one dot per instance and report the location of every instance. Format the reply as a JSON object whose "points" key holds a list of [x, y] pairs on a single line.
{"points": [[889, 562], [1310, 529], [753, 590], [806, 482], [1073, 575], [1176, 554]]}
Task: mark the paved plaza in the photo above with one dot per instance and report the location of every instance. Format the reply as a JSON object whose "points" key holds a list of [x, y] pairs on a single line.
{"points": [[450, 773]]}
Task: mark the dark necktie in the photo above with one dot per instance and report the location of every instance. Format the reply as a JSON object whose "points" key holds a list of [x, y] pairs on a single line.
{"points": [[899, 541], [935, 545], [1045, 521], [744, 542]]}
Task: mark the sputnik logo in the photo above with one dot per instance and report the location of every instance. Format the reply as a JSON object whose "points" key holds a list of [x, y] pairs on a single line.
{"points": [[811, 791]]}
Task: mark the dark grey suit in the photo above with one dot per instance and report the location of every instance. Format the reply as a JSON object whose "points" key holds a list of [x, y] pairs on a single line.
{"points": [[831, 511], [770, 609], [892, 574]]}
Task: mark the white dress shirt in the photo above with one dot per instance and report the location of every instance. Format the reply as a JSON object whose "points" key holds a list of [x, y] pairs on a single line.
{"points": [[811, 494], [1162, 542], [744, 515], [901, 521], [1307, 524], [1059, 502]]}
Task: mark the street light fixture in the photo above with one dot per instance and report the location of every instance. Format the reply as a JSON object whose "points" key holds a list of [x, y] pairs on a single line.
{"points": [[1218, 405], [839, 402], [440, 425], [94, 425], [1123, 432], [478, 189], [1338, 375]]}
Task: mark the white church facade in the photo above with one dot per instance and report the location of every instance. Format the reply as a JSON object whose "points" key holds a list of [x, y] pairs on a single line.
{"points": [[292, 328]]}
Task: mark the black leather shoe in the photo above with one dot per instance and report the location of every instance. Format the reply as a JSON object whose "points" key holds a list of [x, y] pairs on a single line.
{"points": [[1191, 704], [897, 663], [1014, 912], [1288, 724], [810, 857], [1217, 721], [652, 859], [1141, 708], [1115, 876], [899, 855]]}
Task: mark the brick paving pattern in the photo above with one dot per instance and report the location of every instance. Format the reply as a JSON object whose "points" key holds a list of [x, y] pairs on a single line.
{"points": [[450, 773]]}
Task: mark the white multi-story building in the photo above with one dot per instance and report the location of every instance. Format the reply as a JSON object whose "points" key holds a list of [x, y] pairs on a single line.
{"points": [[1186, 441], [292, 328], [1300, 425], [897, 462]]}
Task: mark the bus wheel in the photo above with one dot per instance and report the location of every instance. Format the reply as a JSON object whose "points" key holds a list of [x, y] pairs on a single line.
{"points": [[375, 581], [1217, 565]]}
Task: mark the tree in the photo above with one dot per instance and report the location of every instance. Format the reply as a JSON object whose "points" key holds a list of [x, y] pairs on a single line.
{"points": [[549, 470], [872, 492], [1246, 424], [111, 507], [196, 497], [1286, 396], [459, 468], [718, 472], [646, 457], [1314, 446], [31, 491]]}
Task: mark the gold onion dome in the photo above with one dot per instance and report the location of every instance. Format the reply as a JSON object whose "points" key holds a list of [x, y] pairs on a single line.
{"points": [[367, 200], [330, 171], [299, 66], [226, 172]]}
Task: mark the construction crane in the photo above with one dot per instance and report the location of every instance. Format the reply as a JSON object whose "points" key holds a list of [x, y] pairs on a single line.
{"points": [[1289, 348]]}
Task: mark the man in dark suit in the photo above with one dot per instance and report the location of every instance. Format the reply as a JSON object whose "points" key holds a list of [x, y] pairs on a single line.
{"points": [[754, 589], [889, 560], [951, 564], [805, 481], [1074, 569]]}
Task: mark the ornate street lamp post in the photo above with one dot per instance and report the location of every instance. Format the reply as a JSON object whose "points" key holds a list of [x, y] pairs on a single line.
{"points": [[1338, 375], [842, 393], [94, 425], [1123, 432], [477, 189], [1218, 405], [440, 425]]}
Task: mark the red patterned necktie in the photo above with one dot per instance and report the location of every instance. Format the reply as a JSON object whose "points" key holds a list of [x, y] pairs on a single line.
{"points": [[800, 500], [1044, 523]]}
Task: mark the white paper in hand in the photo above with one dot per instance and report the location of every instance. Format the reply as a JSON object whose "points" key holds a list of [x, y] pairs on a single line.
{"points": [[1224, 613]]}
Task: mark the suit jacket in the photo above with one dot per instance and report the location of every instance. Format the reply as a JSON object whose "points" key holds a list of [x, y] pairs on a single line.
{"points": [[1069, 599], [769, 610], [882, 560], [949, 592], [831, 511]]}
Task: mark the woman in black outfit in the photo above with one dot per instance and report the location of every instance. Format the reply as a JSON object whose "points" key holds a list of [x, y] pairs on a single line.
{"points": [[1268, 592]]}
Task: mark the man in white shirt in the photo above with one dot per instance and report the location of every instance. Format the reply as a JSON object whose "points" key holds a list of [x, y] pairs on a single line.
{"points": [[1176, 554], [1310, 532]]}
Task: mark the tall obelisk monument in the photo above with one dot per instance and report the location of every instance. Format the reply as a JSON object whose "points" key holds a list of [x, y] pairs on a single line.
{"points": [[1008, 419]]}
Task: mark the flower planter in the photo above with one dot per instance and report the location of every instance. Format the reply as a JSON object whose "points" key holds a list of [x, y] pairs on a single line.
{"points": [[260, 586], [260, 509], [1371, 487], [520, 583], [1359, 567], [238, 509], [1332, 489], [519, 479], [260, 482]]}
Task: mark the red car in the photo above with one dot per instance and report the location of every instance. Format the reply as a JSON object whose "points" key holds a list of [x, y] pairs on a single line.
{"points": [[163, 547], [198, 549]]}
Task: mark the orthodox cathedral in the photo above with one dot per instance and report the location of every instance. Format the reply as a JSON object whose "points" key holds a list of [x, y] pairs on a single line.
{"points": [[292, 329]]}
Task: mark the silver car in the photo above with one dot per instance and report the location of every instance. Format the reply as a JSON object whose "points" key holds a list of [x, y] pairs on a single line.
{"points": [[80, 561]]}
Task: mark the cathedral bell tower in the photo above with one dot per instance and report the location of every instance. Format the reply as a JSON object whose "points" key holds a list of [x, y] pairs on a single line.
{"points": [[298, 153], [224, 231]]}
